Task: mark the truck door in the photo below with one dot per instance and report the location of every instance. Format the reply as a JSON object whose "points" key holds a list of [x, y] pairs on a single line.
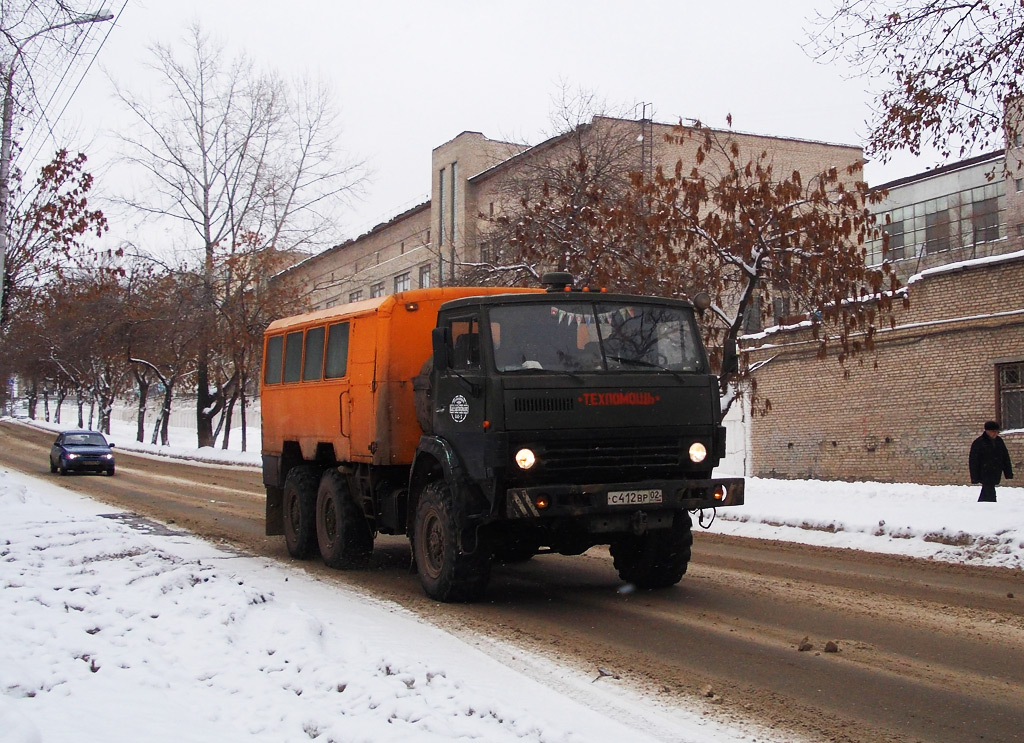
{"points": [[459, 409]]}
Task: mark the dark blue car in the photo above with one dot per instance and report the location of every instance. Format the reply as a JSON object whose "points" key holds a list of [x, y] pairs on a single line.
{"points": [[81, 451]]}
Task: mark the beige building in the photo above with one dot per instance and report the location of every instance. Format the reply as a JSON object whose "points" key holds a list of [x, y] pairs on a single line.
{"points": [[429, 244]]}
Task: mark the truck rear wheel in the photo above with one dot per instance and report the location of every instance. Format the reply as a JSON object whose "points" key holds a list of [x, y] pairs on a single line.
{"points": [[299, 502], [447, 574], [657, 559], [341, 529]]}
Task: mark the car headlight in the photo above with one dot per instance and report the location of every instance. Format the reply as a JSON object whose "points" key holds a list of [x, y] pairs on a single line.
{"points": [[69, 455], [525, 459], [108, 456], [698, 452]]}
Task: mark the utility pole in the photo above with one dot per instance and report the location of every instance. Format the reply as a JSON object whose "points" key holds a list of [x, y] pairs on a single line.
{"points": [[6, 144]]}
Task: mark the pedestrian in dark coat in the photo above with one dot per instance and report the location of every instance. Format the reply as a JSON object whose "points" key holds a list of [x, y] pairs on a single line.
{"points": [[989, 461]]}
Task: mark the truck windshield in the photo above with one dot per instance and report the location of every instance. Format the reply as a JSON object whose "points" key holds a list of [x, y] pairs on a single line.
{"points": [[588, 336]]}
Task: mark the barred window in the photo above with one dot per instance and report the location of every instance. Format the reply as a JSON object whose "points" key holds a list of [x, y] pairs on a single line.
{"points": [[1011, 394]]}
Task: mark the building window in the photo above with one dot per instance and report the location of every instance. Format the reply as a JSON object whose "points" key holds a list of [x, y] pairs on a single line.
{"points": [[454, 179], [377, 290], [355, 296], [402, 282], [985, 220], [895, 232], [424, 277], [1011, 394], [440, 207], [936, 231], [1019, 183]]}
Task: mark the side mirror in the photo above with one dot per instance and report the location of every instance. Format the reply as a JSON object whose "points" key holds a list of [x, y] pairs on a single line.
{"points": [[730, 358], [439, 341]]}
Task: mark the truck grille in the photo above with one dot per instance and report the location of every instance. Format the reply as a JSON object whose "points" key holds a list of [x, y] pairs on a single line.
{"points": [[543, 404], [625, 456]]}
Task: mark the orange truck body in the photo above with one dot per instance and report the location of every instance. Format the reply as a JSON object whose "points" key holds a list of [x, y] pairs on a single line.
{"points": [[368, 414]]}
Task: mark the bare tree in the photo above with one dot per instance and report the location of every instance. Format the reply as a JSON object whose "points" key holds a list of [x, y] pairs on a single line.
{"points": [[247, 302], [943, 70], [232, 153]]}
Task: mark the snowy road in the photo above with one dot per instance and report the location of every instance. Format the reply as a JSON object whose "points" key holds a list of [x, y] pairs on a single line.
{"points": [[926, 650]]}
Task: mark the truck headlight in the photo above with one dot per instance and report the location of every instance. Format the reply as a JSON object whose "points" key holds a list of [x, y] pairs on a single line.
{"points": [[525, 459], [698, 452]]}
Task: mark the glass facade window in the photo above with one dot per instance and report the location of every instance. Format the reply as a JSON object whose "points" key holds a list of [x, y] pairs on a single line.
{"points": [[958, 220], [895, 232], [936, 231], [985, 220]]}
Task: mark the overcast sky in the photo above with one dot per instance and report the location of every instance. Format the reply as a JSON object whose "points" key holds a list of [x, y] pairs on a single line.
{"points": [[410, 75]]}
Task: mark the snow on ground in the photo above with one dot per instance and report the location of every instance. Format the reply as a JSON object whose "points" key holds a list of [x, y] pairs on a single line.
{"points": [[119, 629]]}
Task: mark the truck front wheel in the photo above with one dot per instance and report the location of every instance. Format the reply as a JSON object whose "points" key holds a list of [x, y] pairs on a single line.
{"points": [[657, 559], [299, 502], [341, 529], [447, 573]]}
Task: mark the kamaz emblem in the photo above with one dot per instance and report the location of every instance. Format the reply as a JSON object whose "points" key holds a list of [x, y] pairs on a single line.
{"points": [[459, 408]]}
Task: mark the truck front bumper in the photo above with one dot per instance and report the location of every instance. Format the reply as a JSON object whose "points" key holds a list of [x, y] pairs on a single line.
{"points": [[561, 500]]}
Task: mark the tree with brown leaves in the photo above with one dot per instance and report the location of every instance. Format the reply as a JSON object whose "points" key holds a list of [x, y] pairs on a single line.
{"points": [[46, 233], [765, 245], [944, 71]]}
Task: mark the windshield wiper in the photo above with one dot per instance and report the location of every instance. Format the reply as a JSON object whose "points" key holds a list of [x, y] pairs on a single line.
{"points": [[645, 364], [637, 362]]}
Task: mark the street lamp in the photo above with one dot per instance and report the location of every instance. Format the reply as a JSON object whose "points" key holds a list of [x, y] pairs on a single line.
{"points": [[8, 125]]}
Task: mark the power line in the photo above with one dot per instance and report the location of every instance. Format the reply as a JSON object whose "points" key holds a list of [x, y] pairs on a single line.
{"points": [[74, 61]]}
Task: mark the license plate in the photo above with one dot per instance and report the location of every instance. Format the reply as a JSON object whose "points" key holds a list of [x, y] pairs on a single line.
{"points": [[634, 497]]}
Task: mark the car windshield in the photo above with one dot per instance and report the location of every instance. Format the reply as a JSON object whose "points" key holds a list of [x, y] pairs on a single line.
{"points": [[599, 336], [84, 439]]}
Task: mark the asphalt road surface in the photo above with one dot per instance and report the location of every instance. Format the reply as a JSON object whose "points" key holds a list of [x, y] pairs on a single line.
{"points": [[921, 651]]}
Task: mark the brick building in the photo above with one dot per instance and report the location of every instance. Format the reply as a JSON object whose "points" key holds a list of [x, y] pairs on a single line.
{"points": [[907, 411], [426, 245]]}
